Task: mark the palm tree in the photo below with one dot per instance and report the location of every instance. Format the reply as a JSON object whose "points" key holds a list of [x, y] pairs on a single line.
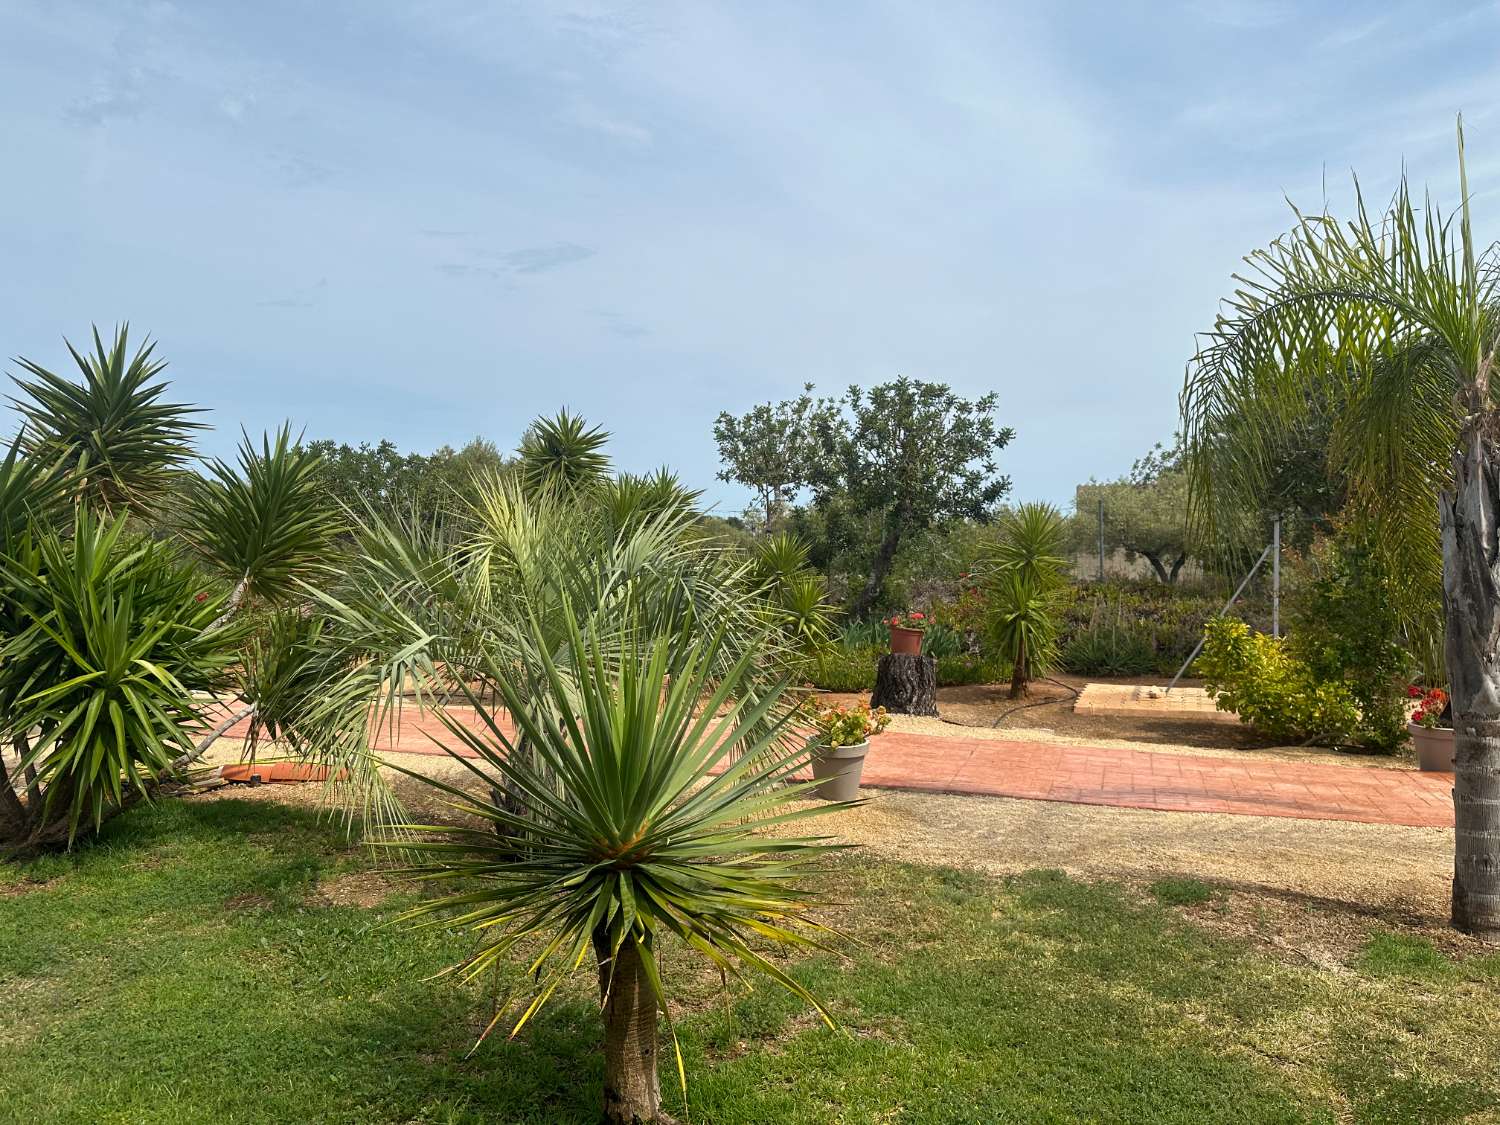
{"points": [[1393, 320], [669, 773]]}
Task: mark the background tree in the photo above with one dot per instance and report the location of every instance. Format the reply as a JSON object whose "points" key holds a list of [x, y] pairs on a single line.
{"points": [[1147, 518], [770, 448], [914, 455], [382, 479], [1394, 319]]}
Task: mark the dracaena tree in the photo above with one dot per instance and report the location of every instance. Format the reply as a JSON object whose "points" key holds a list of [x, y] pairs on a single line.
{"points": [[1393, 319], [654, 767]]}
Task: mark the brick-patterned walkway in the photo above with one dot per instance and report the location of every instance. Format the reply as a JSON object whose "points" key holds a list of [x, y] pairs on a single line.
{"points": [[1094, 775]]}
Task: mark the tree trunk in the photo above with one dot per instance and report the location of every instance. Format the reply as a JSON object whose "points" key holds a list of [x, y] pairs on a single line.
{"points": [[1020, 674], [1156, 565], [632, 1090], [906, 683], [1471, 610], [879, 570], [1176, 569]]}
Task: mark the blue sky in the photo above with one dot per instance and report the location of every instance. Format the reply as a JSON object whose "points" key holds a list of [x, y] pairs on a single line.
{"points": [[434, 220]]}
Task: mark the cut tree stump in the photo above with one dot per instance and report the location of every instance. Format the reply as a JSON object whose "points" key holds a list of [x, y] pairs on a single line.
{"points": [[906, 684]]}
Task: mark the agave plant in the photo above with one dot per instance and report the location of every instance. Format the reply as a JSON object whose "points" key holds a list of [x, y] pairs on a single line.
{"points": [[117, 441], [670, 766]]}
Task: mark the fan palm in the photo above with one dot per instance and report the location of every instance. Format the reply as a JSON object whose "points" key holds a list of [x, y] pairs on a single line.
{"points": [[110, 431], [1395, 320], [669, 773]]}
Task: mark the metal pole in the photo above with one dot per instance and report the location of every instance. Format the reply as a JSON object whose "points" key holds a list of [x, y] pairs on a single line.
{"points": [[1276, 578], [1101, 539], [1192, 656]]}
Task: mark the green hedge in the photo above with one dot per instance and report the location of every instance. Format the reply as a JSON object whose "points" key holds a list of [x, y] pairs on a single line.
{"points": [[1139, 628]]}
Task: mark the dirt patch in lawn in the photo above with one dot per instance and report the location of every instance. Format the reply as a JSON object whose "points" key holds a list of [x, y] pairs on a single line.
{"points": [[364, 889]]}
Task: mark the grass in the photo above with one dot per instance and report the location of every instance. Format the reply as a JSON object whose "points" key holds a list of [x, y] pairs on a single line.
{"points": [[224, 961]]}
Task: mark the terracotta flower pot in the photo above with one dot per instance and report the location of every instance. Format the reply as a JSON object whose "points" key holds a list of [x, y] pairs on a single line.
{"points": [[1434, 746], [839, 769], [907, 641]]}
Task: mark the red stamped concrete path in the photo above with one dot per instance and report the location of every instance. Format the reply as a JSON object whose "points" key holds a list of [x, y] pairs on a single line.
{"points": [[1096, 775]]}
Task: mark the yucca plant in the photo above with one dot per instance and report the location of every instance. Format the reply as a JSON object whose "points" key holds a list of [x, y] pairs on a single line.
{"points": [[1026, 576], [267, 526], [108, 641], [564, 453], [670, 770], [116, 439]]}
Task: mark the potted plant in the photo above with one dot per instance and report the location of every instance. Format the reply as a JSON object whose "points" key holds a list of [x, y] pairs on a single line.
{"points": [[1431, 729], [841, 741], [906, 632]]}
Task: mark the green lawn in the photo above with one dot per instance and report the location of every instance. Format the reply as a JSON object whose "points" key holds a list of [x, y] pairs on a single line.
{"points": [[220, 961]]}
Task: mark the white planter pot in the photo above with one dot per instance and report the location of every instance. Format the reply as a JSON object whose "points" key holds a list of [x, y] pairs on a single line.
{"points": [[1434, 746], [839, 770]]}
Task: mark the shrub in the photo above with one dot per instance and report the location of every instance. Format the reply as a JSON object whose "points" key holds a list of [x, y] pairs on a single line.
{"points": [[837, 668], [1273, 690], [969, 668], [1139, 628], [1346, 625]]}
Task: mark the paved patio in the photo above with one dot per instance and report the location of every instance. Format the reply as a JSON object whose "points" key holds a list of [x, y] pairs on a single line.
{"points": [[1093, 775]]}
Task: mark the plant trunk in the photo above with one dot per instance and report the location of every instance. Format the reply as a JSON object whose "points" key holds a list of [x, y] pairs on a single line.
{"points": [[1471, 610], [1156, 565], [879, 571], [632, 1090], [1176, 569], [15, 818], [906, 684], [1020, 674]]}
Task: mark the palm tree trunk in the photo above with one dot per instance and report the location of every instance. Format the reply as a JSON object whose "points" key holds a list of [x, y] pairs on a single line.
{"points": [[632, 1090], [1020, 674], [1471, 609]]}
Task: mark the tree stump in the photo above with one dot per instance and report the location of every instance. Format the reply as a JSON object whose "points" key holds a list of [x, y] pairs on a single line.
{"points": [[906, 684]]}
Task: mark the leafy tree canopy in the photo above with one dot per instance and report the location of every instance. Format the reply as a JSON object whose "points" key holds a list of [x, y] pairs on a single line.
{"points": [[771, 449], [915, 453]]}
